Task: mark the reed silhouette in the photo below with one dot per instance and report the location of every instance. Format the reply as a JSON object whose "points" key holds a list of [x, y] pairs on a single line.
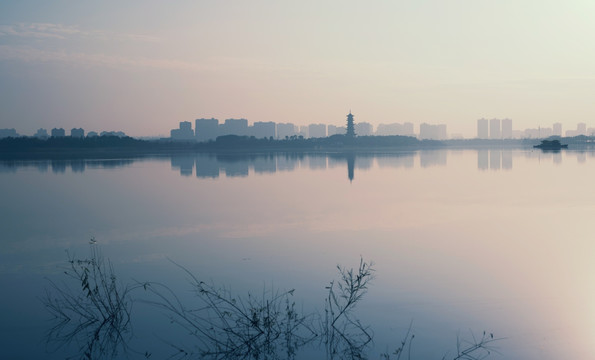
{"points": [[93, 318]]}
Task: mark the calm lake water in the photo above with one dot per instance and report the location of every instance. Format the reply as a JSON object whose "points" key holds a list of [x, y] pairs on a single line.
{"points": [[462, 241]]}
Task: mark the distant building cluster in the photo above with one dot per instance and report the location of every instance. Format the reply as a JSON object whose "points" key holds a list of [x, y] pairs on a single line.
{"points": [[8, 133], [432, 132], [210, 129], [494, 129], [581, 129], [60, 132], [502, 129]]}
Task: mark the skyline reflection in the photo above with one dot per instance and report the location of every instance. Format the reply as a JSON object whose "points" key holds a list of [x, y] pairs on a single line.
{"points": [[230, 165]]}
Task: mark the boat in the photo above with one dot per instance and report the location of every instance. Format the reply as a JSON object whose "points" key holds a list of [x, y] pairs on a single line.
{"points": [[551, 145]]}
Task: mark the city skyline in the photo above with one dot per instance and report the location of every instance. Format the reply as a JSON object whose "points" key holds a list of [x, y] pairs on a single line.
{"points": [[209, 129], [486, 129], [100, 65]]}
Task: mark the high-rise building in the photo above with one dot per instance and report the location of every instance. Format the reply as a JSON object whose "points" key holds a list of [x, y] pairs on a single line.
{"points": [[532, 133], [317, 130], [427, 131], [581, 129], [389, 129], [408, 129], [432, 132], [363, 129], [506, 128], [262, 129], [483, 131], [441, 129], [77, 133], [58, 132], [234, 127], [206, 129], [557, 129], [482, 128], [545, 132], [483, 159], [336, 130], [286, 130], [350, 126], [41, 134], [495, 130], [303, 131], [184, 133], [186, 125]]}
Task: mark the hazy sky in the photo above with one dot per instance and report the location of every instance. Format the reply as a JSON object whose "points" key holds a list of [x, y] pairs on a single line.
{"points": [[143, 66]]}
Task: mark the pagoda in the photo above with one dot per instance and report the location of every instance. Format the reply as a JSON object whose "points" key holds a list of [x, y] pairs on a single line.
{"points": [[350, 126]]}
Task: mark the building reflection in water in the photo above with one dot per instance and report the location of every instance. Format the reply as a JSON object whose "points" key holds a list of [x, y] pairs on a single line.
{"points": [[242, 165], [184, 163], [78, 165], [207, 167], [317, 162], [505, 156], [581, 157], [557, 158], [428, 158], [397, 160], [342, 159], [507, 159], [287, 162], [43, 166], [234, 166], [483, 159], [60, 166], [494, 159], [362, 162], [265, 164]]}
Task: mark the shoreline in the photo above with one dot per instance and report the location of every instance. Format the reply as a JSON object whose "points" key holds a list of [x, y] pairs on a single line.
{"points": [[113, 147]]}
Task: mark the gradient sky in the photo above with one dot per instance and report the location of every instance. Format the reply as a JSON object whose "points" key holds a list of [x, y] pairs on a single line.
{"points": [[143, 66]]}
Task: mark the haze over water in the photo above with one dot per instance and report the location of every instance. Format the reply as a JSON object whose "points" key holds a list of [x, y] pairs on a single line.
{"points": [[495, 240]]}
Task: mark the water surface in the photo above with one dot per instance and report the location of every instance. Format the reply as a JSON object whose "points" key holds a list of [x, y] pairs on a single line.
{"points": [[462, 241]]}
